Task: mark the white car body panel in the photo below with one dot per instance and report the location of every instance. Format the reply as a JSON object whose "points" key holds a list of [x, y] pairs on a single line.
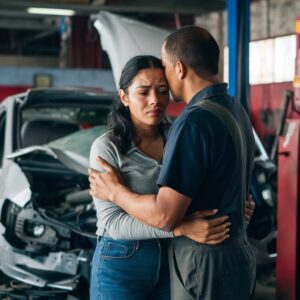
{"points": [[21, 193]]}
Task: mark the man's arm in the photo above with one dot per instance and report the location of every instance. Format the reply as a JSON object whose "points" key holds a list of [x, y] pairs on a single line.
{"points": [[164, 210], [122, 226]]}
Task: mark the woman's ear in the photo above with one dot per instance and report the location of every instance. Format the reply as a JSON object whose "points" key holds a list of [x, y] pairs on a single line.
{"points": [[123, 97], [180, 69]]}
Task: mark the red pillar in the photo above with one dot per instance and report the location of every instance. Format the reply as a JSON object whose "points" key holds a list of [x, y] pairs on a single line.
{"points": [[84, 49], [288, 241]]}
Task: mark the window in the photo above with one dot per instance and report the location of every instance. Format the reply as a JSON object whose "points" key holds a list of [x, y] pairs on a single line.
{"points": [[2, 136], [271, 60]]}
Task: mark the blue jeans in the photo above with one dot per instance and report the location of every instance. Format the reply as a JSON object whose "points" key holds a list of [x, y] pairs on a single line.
{"points": [[130, 270]]}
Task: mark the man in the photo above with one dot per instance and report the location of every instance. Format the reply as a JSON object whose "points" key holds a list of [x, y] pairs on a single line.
{"points": [[207, 164]]}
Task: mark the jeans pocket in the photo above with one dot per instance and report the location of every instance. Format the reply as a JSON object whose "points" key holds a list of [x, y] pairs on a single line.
{"points": [[118, 250]]}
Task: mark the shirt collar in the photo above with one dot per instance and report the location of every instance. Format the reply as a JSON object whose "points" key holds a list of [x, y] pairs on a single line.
{"points": [[208, 92], [133, 147]]}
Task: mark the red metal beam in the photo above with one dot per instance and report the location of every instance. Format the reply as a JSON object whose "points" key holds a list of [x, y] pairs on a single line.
{"points": [[288, 241]]}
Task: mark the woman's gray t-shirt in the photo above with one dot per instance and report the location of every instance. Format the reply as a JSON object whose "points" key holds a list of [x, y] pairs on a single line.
{"points": [[139, 173]]}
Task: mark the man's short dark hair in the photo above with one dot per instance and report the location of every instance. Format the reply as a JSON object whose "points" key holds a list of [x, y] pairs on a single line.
{"points": [[195, 47]]}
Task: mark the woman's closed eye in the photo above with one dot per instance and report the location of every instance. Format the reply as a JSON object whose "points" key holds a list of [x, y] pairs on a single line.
{"points": [[143, 92], [163, 91]]}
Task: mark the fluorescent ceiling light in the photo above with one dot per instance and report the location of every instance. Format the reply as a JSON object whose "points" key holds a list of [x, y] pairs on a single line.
{"points": [[50, 11]]}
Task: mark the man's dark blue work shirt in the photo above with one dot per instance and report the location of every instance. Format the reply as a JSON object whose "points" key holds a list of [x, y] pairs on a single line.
{"points": [[200, 154]]}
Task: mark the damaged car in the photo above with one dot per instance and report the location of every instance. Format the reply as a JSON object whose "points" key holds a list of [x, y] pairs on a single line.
{"points": [[47, 219]]}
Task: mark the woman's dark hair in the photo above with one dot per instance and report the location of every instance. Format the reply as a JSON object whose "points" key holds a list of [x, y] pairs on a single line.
{"points": [[119, 121]]}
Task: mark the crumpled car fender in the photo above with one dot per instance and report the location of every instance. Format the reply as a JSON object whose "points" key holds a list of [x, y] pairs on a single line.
{"points": [[16, 186]]}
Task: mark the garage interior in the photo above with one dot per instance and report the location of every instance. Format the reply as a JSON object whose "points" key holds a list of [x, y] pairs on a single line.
{"points": [[54, 44]]}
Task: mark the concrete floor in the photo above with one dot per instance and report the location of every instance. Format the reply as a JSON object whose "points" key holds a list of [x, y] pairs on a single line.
{"points": [[266, 284]]}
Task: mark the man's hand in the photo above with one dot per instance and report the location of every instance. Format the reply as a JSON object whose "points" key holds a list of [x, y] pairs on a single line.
{"points": [[102, 184], [197, 228], [249, 208]]}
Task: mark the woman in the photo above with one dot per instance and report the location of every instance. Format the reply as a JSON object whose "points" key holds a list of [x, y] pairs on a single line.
{"points": [[130, 260]]}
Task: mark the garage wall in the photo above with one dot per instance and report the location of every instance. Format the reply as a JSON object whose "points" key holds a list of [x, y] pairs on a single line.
{"points": [[269, 18], [28, 61], [14, 80]]}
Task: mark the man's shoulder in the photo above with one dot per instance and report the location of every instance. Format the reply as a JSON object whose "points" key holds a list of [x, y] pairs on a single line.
{"points": [[194, 116]]}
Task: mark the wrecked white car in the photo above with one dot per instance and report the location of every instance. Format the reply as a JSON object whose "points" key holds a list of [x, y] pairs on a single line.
{"points": [[47, 225]]}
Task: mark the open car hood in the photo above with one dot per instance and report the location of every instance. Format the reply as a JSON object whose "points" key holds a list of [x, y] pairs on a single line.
{"points": [[123, 38], [73, 161], [71, 150]]}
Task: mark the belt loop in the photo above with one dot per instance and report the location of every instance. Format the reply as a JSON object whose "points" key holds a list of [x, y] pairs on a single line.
{"points": [[137, 246]]}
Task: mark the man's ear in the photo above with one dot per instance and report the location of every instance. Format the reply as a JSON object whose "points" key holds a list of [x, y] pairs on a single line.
{"points": [[123, 97], [180, 69]]}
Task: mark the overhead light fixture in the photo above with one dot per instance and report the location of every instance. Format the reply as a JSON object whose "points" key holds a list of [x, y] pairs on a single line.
{"points": [[50, 11]]}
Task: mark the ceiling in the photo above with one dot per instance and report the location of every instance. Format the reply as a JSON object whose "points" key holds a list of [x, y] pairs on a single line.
{"points": [[30, 34], [18, 7]]}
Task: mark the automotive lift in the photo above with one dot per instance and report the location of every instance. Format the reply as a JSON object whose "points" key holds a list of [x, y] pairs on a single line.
{"points": [[288, 216]]}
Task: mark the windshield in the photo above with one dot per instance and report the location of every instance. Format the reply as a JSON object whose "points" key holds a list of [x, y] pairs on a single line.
{"points": [[44, 125], [79, 142]]}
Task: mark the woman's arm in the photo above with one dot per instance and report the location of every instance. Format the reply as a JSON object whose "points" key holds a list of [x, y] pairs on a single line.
{"points": [[116, 221], [122, 226]]}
